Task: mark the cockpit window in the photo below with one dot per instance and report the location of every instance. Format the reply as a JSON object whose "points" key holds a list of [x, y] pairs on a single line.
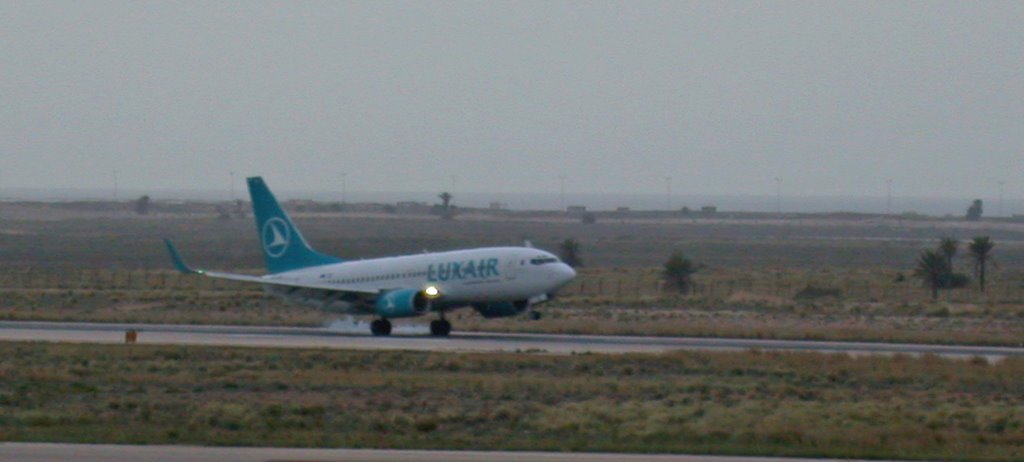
{"points": [[543, 260]]}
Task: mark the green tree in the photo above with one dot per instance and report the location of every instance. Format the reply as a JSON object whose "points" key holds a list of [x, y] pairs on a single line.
{"points": [[679, 272], [974, 211], [948, 247], [142, 205], [933, 269], [571, 253], [980, 249]]}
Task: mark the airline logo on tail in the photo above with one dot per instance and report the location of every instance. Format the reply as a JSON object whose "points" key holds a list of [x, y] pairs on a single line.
{"points": [[276, 237]]}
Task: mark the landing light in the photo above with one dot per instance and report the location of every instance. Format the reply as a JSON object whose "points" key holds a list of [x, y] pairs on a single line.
{"points": [[431, 291]]}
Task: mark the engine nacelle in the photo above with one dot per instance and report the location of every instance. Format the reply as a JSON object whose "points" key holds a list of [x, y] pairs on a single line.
{"points": [[501, 309], [402, 303]]}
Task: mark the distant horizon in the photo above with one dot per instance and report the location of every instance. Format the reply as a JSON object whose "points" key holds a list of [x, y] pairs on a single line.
{"points": [[596, 201]]}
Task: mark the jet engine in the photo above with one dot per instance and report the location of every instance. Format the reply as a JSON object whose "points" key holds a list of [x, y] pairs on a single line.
{"points": [[402, 303], [501, 309]]}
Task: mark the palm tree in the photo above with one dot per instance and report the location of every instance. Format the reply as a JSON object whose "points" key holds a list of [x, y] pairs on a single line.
{"points": [[981, 255], [571, 253], [679, 272], [934, 270], [948, 247]]}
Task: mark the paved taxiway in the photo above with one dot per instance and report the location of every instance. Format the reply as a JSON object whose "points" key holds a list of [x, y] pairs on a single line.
{"points": [[298, 337], [44, 452]]}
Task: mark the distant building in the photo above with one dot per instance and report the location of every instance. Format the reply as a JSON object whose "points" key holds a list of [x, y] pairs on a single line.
{"points": [[622, 209], [497, 206], [412, 207], [708, 210], [301, 202], [301, 205], [576, 209]]}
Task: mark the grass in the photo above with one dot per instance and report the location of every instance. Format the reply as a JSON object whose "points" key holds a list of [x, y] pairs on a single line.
{"points": [[798, 325], [184, 306], [796, 404], [870, 305], [761, 280], [789, 280]]}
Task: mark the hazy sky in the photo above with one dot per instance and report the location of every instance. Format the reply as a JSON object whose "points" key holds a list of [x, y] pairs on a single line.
{"points": [[833, 97]]}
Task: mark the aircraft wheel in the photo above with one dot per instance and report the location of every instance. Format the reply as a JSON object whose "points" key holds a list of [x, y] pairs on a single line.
{"points": [[440, 328], [535, 315], [380, 327]]}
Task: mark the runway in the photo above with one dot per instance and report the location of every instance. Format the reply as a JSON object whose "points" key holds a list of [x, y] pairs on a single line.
{"points": [[47, 452], [301, 337]]}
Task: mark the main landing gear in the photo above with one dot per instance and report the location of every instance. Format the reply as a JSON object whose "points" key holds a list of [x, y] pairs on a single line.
{"points": [[380, 327], [440, 327]]}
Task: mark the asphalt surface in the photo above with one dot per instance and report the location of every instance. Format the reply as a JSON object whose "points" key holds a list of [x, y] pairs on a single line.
{"points": [[298, 337], [46, 452]]}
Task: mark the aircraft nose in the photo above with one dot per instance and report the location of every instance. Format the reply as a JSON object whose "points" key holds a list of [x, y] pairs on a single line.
{"points": [[565, 273]]}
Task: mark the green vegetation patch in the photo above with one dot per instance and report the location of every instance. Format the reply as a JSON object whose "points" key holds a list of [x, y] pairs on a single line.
{"points": [[799, 404]]}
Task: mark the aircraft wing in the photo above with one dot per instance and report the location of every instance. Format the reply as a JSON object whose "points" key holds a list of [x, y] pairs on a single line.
{"points": [[181, 266]]}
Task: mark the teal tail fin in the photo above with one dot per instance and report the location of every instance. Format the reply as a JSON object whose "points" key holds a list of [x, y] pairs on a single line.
{"points": [[284, 248]]}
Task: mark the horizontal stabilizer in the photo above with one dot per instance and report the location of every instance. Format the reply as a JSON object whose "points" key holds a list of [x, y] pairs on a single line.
{"points": [[180, 265]]}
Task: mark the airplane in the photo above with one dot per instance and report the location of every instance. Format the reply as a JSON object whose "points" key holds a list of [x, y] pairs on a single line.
{"points": [[494, 281]]}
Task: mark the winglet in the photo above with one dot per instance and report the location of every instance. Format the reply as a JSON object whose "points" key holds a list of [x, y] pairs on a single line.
{"points": [[179, 263]]}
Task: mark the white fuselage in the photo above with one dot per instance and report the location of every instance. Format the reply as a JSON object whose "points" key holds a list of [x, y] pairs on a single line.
{"points": [[493, 274]]}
